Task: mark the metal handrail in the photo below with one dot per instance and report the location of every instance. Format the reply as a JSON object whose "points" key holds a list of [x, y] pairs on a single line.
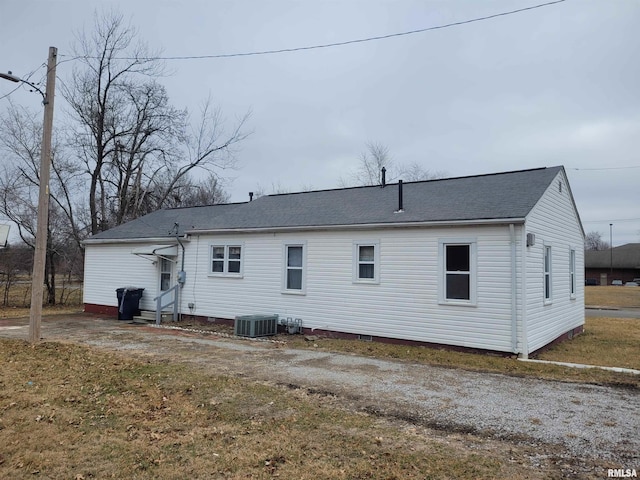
{"points": [[174, 302]]}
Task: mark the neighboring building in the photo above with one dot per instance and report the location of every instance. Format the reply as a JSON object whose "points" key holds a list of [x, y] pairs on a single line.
{"points": [[619, 263], [492, 262]]}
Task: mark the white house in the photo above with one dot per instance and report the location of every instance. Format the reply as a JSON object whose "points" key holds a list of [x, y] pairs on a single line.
{"points": [[492, 262]]}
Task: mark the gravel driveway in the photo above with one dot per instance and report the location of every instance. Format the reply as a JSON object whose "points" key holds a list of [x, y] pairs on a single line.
{"points": [[575, 421]]}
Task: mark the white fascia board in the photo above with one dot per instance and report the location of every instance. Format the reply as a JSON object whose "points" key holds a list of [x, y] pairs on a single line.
{"points": [[360, 226], [152, 240]]}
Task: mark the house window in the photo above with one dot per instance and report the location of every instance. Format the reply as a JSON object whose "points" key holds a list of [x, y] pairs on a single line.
{"points": [[572, 272], [294, 281], [226, 260], [165, 274], [366, 262], [457, 260], [547, 274]]}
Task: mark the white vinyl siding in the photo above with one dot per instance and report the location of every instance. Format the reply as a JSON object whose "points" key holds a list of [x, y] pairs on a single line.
{"points": [[555, 224], [108, 267], [404, 304]]}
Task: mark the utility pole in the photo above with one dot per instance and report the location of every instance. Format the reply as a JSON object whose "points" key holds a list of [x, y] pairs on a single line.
{"points": [[40, 254], [611, 251]]}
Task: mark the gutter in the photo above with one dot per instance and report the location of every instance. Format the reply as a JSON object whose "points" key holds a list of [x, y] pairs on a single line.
{"points": [[159, 240], [361, 226]]}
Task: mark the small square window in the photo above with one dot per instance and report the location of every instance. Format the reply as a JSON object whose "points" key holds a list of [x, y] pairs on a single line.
{"points": [[226, 259]]}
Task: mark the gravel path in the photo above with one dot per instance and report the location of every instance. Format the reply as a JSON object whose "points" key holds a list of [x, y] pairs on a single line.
{"points": [[592, 422]]}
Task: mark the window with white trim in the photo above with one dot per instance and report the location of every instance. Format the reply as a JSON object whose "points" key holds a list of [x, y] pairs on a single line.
{"points": [[294, 266], [166, 267], [572, 272], [226, 260], [547, 274], [366, 262], [458, 271]]}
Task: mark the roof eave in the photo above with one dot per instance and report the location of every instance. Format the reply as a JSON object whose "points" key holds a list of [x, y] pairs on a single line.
{"points": [[159, 240], [361, 226]]}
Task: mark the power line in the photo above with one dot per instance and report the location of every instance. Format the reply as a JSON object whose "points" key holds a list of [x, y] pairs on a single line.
{"points": [[607, 168], [335, 44], [612, 220], [21, 84]]}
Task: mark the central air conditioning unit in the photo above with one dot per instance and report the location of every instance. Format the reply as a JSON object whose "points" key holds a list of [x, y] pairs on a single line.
{"points": [[255, 325]]}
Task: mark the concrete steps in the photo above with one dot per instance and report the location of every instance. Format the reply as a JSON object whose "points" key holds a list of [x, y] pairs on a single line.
{"points": [[147, 316]]}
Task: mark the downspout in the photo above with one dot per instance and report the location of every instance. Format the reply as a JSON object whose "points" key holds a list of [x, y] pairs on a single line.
{"points": [[523, 315], [182, 265], [514, 290]]}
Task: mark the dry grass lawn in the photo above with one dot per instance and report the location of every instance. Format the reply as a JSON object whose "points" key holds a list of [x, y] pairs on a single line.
{"points": [[612, 342], [607, 296], [68, 411]]}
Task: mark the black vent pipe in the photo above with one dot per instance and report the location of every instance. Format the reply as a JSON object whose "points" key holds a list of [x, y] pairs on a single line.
{"points": [[250, 196], [400, 196], [384, 177]]}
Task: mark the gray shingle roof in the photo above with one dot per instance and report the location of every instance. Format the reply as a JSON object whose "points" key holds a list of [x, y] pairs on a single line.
{"points": [[484, 197], [624, 256]]}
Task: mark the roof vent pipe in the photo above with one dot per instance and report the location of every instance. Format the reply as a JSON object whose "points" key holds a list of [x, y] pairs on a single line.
{"points": [[400, 206], [384, 177], [250, 196]]}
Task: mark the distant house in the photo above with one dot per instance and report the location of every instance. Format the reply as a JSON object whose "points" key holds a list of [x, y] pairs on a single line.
{"points": [[619, 263], [492, 262]]}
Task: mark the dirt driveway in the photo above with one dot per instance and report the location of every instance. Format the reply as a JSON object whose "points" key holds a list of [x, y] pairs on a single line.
{"points": [[577, 422]]}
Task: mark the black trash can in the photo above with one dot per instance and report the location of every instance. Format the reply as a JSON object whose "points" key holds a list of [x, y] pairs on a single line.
{"points": [[128, 302]]}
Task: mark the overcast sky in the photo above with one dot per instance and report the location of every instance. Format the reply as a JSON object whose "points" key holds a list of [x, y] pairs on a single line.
{"points": [[558, 85]]}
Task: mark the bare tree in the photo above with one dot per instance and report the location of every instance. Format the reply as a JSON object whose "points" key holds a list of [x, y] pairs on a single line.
{"points": [[189, 193], [129, 152], [14, 260], [20, 136], [375, 158], [134, 146], [415, 172], [593, 241], [370, 164]]}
